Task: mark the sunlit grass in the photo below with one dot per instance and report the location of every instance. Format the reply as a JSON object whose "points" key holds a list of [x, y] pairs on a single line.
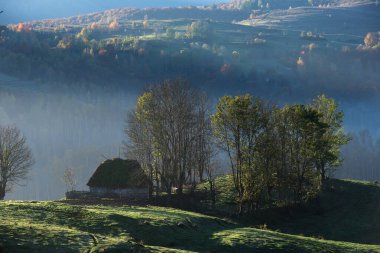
{"points": [[58, 227]]}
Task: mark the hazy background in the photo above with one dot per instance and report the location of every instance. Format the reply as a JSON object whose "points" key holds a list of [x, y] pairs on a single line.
{"points": [[80, 127]]}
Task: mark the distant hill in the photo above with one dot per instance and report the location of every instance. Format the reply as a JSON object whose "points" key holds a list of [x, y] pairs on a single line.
{"points": [[352, 19], [22, 11], [165, 13], [285, 4]]}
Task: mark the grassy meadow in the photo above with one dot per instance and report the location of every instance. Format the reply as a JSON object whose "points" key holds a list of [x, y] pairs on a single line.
{"points": [[350, 214]]}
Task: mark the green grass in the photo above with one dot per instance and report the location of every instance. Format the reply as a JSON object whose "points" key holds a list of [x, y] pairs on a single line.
{"points": [[59, 227], [348, 210]]}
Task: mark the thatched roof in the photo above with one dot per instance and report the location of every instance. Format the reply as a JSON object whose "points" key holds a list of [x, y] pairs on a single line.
{"points": [[119, 173]]}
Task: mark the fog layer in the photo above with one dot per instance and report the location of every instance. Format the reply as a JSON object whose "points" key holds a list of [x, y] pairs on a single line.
{"points": [[80, 127]]}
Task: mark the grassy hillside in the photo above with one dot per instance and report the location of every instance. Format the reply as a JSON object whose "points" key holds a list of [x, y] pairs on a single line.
{"points": [[58, 227], [320, 20], [346, 211]]}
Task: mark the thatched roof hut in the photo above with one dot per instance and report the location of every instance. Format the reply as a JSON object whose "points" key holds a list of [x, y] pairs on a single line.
{"points": [[120, 177]]}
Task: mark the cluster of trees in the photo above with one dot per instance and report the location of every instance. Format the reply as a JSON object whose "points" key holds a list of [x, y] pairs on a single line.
{"points": [[80, 57], [169, 134], [278, 156], [201, 29], [92, 55]]}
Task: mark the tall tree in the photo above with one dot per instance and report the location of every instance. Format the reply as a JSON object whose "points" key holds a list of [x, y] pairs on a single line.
{"points": [[69, 179], [15, 158], [328, 156], [237, 125], [168, 130], [140, 140], [302, 129]]}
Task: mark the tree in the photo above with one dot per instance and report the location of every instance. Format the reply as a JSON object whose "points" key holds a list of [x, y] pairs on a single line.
{"points": [[369, 40], [300, 129], [84, 35], [267, 153], [168, 133], [146, 22], [69, 179], [201, 29], [170, 33], [328, 156], [15, 158], [114, 25], [237, 125], [275, 153], [211, 172], [140, 145]]}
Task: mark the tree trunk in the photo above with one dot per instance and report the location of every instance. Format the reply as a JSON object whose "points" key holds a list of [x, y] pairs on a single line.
{"points": [[157, 182], [241, 207], [150, 181], [212, 193], [150, 189], [2, 194], [180, 190], [323, 175]]}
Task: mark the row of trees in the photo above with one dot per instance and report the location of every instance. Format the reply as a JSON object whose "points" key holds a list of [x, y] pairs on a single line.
{"points": [[278, 155]]}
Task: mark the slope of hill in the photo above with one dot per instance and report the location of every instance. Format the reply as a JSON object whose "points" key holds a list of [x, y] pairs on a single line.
{"points": [[346, 210], [57, 227], [352, 20], [127, 14], [22, 11], [285, 4]]}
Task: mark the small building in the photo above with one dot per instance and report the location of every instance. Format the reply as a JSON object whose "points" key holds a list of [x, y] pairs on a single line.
{"points": [[119, 178]]}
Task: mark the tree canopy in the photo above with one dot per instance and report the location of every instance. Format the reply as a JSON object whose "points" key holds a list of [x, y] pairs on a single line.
{"points": [[278, 155]]}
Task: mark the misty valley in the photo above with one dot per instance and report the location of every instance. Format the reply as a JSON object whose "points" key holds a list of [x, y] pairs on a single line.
{"points": [[180, 126]]}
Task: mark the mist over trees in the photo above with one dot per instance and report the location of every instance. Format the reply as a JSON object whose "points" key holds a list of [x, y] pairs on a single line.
{"points": [[361, 157], [278, 155], [246, 59], [65, 128]]}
